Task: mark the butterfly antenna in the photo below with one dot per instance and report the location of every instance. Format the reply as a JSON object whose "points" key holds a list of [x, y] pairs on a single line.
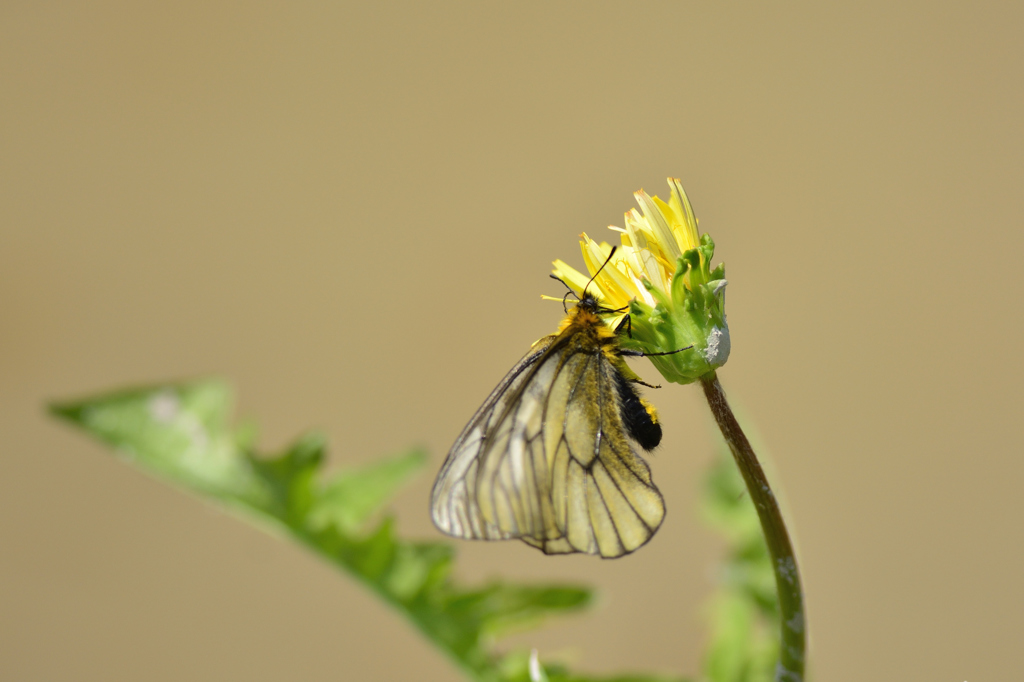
{"points": [[559, 279], [565, 306], [606, 261]]}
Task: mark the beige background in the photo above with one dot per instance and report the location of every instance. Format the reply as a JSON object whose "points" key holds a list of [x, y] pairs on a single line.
{"points": [[350, 212]]}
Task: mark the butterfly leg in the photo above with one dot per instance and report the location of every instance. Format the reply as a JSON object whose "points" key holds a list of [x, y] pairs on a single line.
{"points": [[641, 354], [628, 321]]}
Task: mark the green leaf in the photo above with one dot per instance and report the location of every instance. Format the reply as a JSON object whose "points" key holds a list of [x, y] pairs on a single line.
{"points": [[290, 478], [175, 432], [182, 434], [351, 497], [507, 608]]}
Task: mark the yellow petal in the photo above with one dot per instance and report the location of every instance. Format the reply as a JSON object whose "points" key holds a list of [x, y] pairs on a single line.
{"points": [[614, 322], [662, 233], [594, 256], [570, 275], [689, 236], [617, 283], [644, 262], [642, 291]]}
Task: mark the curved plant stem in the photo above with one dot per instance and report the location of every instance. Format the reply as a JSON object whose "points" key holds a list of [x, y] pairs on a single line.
{"points": [[787, 577]]}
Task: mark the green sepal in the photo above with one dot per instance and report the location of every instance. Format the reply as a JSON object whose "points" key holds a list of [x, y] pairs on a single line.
{"points": [[656, 293], [692, 258], [679, 284]]}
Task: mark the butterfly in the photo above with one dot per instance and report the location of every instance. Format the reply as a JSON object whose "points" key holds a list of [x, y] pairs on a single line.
{"points": [[549, 457]]}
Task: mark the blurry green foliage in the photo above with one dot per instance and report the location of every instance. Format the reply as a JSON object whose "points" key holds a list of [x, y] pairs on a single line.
{"points": [[183, 434], [744, 612]]}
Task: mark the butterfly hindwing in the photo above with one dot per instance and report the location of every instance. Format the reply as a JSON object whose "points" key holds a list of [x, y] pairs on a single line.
{"points": [[608, 503]]}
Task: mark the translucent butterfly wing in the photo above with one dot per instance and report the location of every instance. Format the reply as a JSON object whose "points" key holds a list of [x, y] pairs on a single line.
{"points": [[455, 501], [546, 460]]}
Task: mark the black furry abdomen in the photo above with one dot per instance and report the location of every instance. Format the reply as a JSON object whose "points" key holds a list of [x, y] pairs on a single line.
{"points": [[639, 425]]}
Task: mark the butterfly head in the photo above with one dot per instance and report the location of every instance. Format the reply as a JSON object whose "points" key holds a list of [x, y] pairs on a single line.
{"points": [[589, 303], [588, 309]]}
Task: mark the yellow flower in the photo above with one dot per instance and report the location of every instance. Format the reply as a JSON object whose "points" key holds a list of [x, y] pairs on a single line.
{"points": [[661, 274], [652, 242]]}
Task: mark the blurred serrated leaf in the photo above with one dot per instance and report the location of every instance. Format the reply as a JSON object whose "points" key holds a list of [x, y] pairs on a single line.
{"points": [[175, 432], [182, 433], [351, 497]]}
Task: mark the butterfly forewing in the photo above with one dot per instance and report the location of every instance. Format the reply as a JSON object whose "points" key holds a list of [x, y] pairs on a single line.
{"points": [[454, 501]]}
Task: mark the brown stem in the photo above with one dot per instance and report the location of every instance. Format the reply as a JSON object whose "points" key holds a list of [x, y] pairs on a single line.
{"points": [[787, 577]]}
